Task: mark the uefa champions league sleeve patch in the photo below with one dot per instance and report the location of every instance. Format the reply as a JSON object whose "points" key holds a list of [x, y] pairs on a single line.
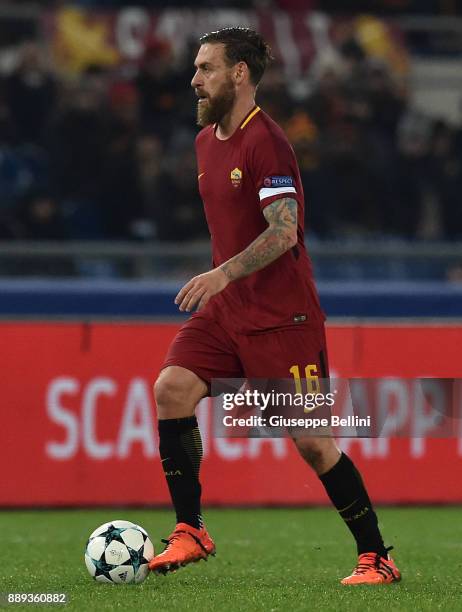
{"points": [[276, 185], [278, 181]]}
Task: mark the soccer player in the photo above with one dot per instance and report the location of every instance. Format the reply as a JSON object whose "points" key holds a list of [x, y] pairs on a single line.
{"points": [[257, 311]]}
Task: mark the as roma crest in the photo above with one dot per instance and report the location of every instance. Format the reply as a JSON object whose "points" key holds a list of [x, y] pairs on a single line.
{"points": [[236, 177]]}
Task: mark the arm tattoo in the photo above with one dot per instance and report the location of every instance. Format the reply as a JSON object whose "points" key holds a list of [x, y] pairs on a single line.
{"points": [[278, 238]]}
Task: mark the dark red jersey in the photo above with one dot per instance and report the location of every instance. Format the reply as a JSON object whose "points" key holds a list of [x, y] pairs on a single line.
{"points": [[238, 177]]}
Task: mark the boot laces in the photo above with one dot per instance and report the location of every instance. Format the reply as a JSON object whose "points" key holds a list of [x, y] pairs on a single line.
{"points": [[369, 561], [170, 540], [176, 535]]}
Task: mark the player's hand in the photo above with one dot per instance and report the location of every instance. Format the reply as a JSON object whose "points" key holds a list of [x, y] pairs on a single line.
{"points": [[200, 289]]}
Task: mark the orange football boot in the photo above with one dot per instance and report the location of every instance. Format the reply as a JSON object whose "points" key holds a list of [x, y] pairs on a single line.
{"points": [[374, 569], [185, 545]]}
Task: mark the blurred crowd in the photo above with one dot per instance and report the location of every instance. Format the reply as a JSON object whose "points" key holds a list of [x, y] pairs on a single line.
{"points": [[423, 7], [110, 157]]}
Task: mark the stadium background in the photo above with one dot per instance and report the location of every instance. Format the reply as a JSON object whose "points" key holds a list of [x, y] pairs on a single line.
{"points": [[100, 222]]}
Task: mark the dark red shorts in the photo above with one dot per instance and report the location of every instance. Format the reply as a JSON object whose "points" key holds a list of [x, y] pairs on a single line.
{"points": [[210, 351]]}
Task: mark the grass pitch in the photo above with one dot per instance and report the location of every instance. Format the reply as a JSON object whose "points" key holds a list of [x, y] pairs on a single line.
{"points": [[267, 560]]}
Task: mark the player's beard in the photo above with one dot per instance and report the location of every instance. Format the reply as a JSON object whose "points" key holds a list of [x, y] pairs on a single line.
{"points": [[214, 109]]}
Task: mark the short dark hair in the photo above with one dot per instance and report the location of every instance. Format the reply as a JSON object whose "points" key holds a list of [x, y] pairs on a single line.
{"points": [[242, 45]]}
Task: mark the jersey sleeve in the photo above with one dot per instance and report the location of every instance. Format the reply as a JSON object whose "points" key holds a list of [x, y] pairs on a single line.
{"points": [[273, 168]]}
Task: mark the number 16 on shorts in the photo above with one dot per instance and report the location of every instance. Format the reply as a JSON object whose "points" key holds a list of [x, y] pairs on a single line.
{"points": [[311, 377]]}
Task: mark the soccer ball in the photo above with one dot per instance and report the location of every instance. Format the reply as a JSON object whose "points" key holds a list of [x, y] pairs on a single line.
{"points": [[119, 552]]}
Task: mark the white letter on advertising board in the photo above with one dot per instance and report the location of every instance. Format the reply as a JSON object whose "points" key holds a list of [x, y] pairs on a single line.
{"points": [[98, 386], [62, 416], [137, 424]]}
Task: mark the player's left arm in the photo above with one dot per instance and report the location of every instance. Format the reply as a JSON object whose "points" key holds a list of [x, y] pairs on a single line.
{"points": [[276, 239], [279, 237]]}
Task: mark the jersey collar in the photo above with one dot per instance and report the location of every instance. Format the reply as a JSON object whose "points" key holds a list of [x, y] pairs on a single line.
{"points": [[249, 117]]}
